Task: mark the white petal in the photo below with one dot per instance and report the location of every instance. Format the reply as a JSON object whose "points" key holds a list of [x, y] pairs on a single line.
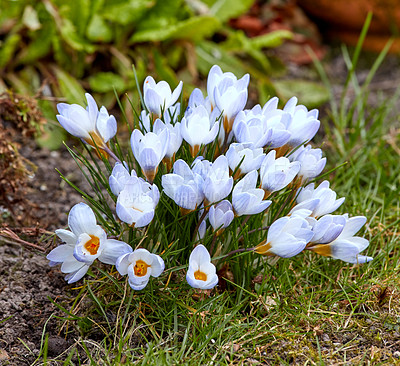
{"points": [[81, 219]]}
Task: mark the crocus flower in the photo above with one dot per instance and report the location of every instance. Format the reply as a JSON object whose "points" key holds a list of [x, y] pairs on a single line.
{"points": [[346, 246], [136, 203], [326, 196], [246, 198], [286, 237], [89, 124], [196, 99], [244, 157], [149, 150], [201, 272], [119, 177], [221, 215], [159, 97], [227, 93], [175, 137], [139, 266], [277, 174], [183, 186], [199, 128], [85, 243], [311, 161], [301, 123], [327, 228], [218, 183]]}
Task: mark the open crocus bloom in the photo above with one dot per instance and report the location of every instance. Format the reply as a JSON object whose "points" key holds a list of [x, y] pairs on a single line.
{"points": [[139, 266], [136, 203], [201, 272], [89, 124], [346, 246], [286, 237], [85, 242], [158, 97]]}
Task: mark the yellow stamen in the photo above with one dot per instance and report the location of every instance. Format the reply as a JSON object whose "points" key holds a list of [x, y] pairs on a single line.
{"points": [[92, 245], [140, 268], [198, 275]]}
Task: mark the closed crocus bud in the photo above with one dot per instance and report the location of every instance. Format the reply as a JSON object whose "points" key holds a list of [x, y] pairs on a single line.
{"points": [[327, 228], [89, 124], [301, 123], [246, 198], [139, 266], [346, 246], [277, 174], [183, 186], [326, 196], [119, 177], [218, 183], [175, 139], [286, 237], [149, 150], [244, 158], [85, 243], [196, 99], [199, 128], [311, 160], [136, 203], [227, 93], [159, 97], [221, 215], [201, 273]]}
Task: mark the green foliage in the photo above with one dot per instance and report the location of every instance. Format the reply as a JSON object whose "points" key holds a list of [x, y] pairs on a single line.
{"points": [[95, 42]]}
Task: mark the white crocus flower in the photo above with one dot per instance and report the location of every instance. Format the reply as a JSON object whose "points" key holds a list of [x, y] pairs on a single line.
{"points": [[136, 203], [326, 196], [201, 273], [89, 124], [139, 266], [227, 93], [85, 243], [159, 97], [327, 228], [346, 246], [119, 177], [277, 174], [246, 198], [149, 150], [184, 186], [301, 123], [286, 237], [199, 128], [196, 99], [311, 160], [175, 137], [221, 215], [244, 158], [218, 183]]}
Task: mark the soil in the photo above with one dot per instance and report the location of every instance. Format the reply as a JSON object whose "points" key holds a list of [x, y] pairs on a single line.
{"points": [[27, 283]]}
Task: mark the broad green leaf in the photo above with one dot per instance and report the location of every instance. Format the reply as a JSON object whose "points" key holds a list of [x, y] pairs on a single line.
{"points": [[227, 9], [195, 28], [98, 30], [71, 37], [8, 48], [39, 46], [52, 137], [104, 82], [164, 71], [309, 93], [126, 12], [69, 87], [270, 40]]}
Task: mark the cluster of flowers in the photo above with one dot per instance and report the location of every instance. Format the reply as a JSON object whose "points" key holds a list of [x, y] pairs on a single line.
{"points": [[255, 152]]}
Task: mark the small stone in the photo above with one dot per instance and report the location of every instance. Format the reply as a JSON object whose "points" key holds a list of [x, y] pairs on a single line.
{"points": [[396, 354], [56, 345], [325, 337]]}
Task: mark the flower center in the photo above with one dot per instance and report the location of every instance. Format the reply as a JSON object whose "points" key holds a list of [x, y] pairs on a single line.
{"points": [[198, 275], [141, 268], [92, 245]]}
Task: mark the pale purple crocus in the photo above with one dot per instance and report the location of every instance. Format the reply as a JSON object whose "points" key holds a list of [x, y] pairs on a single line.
{"points": [[220, 215], [201, 273]]}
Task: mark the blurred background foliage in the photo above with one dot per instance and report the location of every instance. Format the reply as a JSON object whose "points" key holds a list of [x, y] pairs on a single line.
{"points": [[56, 50]]}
